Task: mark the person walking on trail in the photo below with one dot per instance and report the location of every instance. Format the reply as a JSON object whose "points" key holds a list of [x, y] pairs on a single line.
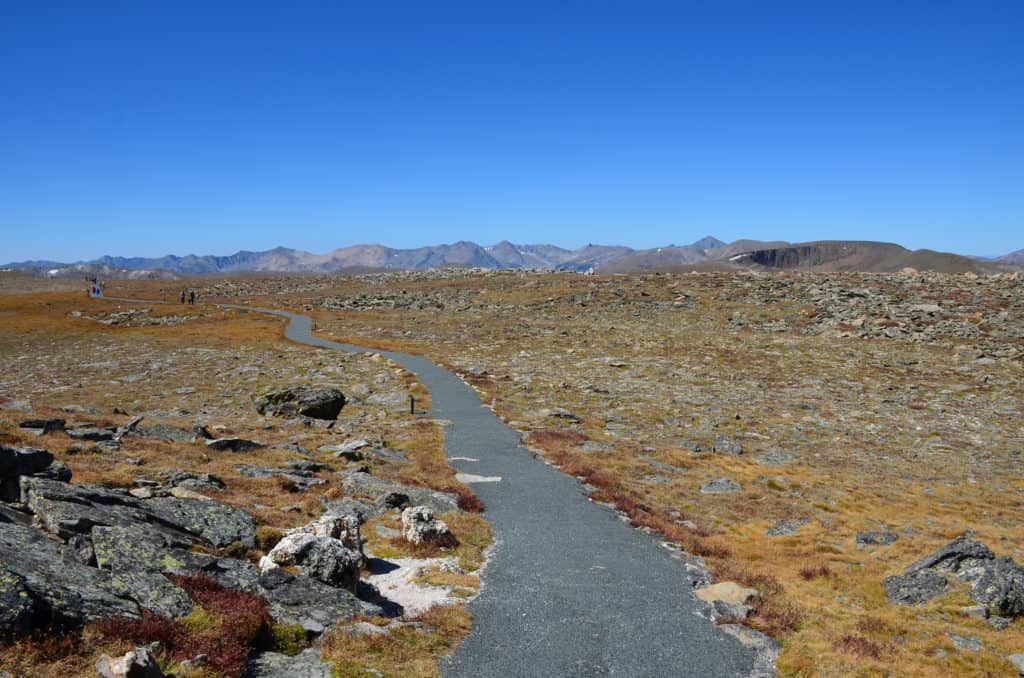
{"points": [[181, 297], [192, 297]]}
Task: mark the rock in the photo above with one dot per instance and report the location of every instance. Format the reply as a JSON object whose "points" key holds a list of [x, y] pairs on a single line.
{"points": [[307, 465], [1018, 661], [976, 611], [308, 401], [876, 538], [42, 426], [42, 584], [165, 432], [21, 461], [360, 483], [127, 428], [1001, 587], [784, 528], [328, 549], [962, 552], [719, 486], [724, 444], [420, 527], [394, 500], [308, 602], [192, 481], [233, 445], [774, 457], [66, 510], [137, 663], [91, 433], [348, 450], [82, 547], [722, 610], [306, 664], [58, 471], [727, 592], [301, 480], [914, 588], [999, 623], [971, 643]]}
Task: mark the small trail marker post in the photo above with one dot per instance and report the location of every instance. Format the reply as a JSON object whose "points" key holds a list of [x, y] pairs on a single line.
{"points": [[412, 404]]}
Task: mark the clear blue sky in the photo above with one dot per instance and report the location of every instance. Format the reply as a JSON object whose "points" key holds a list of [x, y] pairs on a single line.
{"points": [[148, 127]]}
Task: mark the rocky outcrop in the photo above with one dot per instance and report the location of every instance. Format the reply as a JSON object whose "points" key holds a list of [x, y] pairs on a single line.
{"points": [[137, 663], [306, 401], [360, 483], [419, 526], [996, 583], [67, 510]]}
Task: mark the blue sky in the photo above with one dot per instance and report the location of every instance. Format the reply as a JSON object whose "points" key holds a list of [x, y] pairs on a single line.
{"points": [[148, 128]]}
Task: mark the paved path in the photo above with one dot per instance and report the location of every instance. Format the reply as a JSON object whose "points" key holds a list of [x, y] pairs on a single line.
{"points": [[571, 590]]}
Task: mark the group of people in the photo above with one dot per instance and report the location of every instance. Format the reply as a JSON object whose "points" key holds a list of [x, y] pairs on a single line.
{"points": [[191, 297], [95, 287]]}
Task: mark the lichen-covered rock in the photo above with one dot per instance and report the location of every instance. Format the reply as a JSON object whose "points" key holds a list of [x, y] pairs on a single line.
{"points": [[66, 510], [360, 483], [914, 588], [419, 526], [1001, 588], [136, 562], [961, 553], [42, 584], [233, 445], [306, 664], [307, 401], [320, 551]]}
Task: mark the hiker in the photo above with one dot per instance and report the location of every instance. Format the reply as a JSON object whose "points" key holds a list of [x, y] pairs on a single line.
{"points": [[181, 297], [192, 297]]}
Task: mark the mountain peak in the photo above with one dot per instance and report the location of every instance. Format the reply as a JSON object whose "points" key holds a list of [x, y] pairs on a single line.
{"points": [[708, 242]]}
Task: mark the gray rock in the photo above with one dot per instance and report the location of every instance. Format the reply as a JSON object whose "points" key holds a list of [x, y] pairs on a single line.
{"points": [[958, 554], [137, 663], [319, 556], [775, 458], [308, 401], [724, 444], [1001, 587], [301, 480], [306, 664], [876, 538], [721, 609], [971, 643], [136, 561], [20, 461], [1018, 661], [233, 445], [914, 587], [42, 426], [784, 528], [999, 623], [42, 583], [191, 480], [66, 510], [310, 603], [359, 483], [419, 526], [165, 432], [720, 486], [91, 433]]}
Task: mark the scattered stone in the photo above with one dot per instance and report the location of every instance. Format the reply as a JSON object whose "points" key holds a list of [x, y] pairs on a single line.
{"points": [[959, 553], [1001, 587], [306, 664], [137, 663], [420, 527], [308, 401], [165, 432], [1018, 661], [724, 444], [720, 486], [233, 445], [971, 643], [361, 483], [349, 450], [774, 457], [190, 480], [727, 592], [976, 611], [91, 433], [999, 623], [914, 588], [42, 426], [876, 538], [784, 528]]}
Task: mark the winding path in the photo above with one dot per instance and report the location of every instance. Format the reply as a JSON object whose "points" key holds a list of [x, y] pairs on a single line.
{"points": [[571, 590]]}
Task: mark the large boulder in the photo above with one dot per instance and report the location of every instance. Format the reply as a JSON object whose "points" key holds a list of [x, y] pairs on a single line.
{"points": [[328, 549], [959, 554], [419, 526], [42, 584], [22, 461], [306, 401], [914, 588], [1001, 588], [67, 510]]}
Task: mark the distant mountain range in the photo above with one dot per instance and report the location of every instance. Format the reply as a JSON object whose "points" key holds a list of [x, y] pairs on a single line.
{"points": [[708, 252]]}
